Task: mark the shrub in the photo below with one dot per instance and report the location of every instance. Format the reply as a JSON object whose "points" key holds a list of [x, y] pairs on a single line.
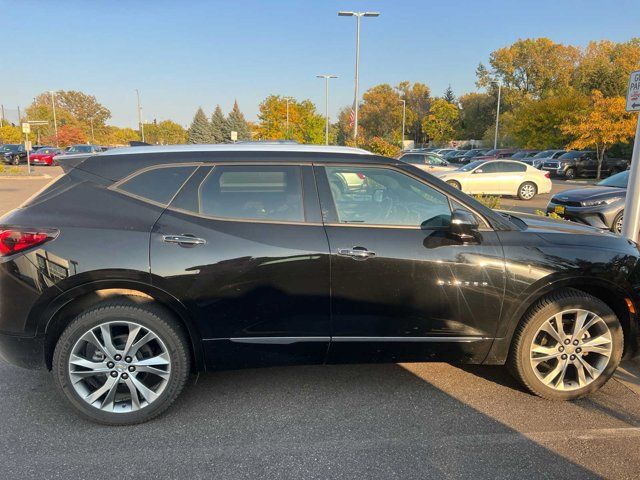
{"points": [[490, 201], [542, 213], [380, 146]]}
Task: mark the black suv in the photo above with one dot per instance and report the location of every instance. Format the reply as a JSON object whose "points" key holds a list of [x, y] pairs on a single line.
{"points": [[141, 265], [13, 153]]}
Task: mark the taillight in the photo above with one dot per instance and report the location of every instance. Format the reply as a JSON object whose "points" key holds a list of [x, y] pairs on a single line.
{"points": [[361, 175], [547, 174], [16, 240]]}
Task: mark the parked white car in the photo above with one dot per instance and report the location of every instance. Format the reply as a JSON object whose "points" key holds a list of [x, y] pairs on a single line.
{"points": [[427, 161], [499, 177]]}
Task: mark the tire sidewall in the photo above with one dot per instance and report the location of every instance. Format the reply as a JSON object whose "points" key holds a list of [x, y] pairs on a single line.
{"points": [[535, 191], [93, 318], [455, 184], [542, 316]]}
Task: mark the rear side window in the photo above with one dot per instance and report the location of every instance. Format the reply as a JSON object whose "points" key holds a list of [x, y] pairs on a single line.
{"points": [[158, 184], [511, 167], [252, 192]]}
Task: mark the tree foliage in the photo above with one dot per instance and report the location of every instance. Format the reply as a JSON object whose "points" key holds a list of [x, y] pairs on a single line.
{"points": [[606, 65], [440, 124], [237, 123], [67, 135], [200, 129], [380, 114], [380, 146], [219, 126], [603, 124], [306, 125], [164, 133], [10, 134]]}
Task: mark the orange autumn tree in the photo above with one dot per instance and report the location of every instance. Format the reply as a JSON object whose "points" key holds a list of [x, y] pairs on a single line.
{"points": [[603, 124]]}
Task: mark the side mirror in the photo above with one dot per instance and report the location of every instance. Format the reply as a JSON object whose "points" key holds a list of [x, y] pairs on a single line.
{"points": [[463, 225]]}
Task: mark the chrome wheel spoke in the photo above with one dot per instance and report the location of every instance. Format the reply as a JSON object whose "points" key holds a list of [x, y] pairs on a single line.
{"points": [[556, 356], [116, 383]]}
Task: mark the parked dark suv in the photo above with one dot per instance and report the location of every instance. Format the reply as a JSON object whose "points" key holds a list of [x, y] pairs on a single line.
{"points": [[141, 265]]}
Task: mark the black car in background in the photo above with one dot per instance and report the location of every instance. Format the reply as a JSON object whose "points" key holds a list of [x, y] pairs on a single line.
{"points": [[521, 155], [141, 265], [73, 149], [583, 163], [13, 153], [600, 206], [466, 156]]}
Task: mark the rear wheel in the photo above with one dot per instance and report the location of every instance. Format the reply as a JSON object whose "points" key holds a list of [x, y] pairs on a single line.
{"points": [[121, 362], [527, 191], [570, 174], [454, 184], [616, 226], [16, 160], [567, 346]]}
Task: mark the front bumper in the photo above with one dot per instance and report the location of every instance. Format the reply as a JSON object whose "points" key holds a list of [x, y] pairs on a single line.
{"points": [[25, 352], [601, 216]]}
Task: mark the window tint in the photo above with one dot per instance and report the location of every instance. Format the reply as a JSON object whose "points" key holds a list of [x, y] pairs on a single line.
{"points": [[159, 184], [253, 192], [490, 167], [504, 167], [412, 158], [382, 196]]}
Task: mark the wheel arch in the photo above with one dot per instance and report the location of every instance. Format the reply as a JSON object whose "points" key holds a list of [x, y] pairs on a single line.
{"points": [[64, 308], [608, 292]]}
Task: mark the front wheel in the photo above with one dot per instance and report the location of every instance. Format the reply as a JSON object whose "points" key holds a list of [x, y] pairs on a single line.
{"points": [[567, 346], [16, 160], [121, 362], [527, 191], [616, 227], [570, 174]]}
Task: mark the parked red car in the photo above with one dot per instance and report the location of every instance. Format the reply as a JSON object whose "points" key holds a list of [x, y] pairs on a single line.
{"points": [[44, 156]]}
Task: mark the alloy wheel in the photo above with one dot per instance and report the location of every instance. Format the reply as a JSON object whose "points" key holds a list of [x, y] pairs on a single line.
{"points": [[571, 349], [527, 191], [119, 367], [618, 225]]}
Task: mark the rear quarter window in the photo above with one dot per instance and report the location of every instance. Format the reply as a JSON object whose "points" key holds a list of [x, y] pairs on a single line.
{"points": [[158, 184]]}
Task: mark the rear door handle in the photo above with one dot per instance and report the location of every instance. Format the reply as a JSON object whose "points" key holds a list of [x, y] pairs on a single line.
{"points": [[357, 253], [184, 240]]}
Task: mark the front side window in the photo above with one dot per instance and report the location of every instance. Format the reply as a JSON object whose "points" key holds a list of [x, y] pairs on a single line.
{"points": [[250, 192], [412, 158], [383, 196], [158, 184]]}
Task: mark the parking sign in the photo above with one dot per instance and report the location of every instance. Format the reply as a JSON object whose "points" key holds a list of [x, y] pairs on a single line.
{"points": [[633, 93]]}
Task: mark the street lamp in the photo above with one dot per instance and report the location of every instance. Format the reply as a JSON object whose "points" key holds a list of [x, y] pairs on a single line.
{"points": [[287, 99], [55, 122], [495, 138], [93, 140], [358, 16], [326, 104], [141, 125], [404, 117]]}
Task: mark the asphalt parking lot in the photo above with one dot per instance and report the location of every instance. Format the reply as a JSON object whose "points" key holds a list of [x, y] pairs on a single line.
{"points": [[356, 421]]}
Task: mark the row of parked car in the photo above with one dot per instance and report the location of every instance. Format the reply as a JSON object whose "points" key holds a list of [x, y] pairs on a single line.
{"points": [[15, 153], [560, 163]]}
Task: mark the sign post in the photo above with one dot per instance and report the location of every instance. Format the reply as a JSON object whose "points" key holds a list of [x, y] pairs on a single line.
{"points": [[631, 222], [234, 136], [26, 129]]}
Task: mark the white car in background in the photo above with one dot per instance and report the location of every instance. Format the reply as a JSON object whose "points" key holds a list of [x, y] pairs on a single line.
{"points": [[499, 177], [427, 161]]}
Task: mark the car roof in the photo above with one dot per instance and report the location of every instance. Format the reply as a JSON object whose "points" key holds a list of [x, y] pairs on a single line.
{"points": [[239, 147]]}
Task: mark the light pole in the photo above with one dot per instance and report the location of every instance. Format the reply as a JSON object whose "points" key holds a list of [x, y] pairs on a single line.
{"points": [[93, 140], [55, 122], [140, 124], [404, 117], [326, 105], [495, 138], [358, 16], [287, 99]]}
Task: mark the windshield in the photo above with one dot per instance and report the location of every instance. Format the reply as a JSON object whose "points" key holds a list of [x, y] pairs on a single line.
{"points": [[10, 148], [492, 152], [574, 154], [544, 154], [619, 180], [519, 155], [470, 166], [79, 149]]}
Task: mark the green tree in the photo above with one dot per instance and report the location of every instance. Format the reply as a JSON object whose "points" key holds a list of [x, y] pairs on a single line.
{"points": [[306, 125], [381, 113], [236, 122], [165, 133], [449, 96], [10, 134], [418, 98], [606, 65], [440, 124], [200, 129], [477, 114], [219, 126]]}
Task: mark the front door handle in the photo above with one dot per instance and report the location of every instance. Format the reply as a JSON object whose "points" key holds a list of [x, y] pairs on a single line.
{"points": [[184, 240], [357, 253]]}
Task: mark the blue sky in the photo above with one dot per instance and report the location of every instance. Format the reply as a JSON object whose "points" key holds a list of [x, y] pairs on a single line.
{"points": [[185, 54]]}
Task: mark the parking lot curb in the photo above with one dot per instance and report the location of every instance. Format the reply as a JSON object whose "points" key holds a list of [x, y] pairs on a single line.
{"points": [[24, 177]]}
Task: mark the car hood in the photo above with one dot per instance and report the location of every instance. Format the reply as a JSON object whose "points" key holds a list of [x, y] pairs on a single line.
{"points": [[543, 224], [590, 193]]}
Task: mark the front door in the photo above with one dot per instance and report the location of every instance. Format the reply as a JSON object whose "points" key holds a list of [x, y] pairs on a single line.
{"points": [[403, 288], [243, 248]]}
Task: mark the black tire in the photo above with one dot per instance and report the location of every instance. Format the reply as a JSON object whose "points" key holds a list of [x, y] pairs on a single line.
{"points": [[617, 223], [524, 191], [519, 361], [570, 174], [151, 317], [454, 184], [16, 160]]}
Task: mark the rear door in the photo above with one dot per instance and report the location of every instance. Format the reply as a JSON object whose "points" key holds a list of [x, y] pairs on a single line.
{"points": [[243, 248]]}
